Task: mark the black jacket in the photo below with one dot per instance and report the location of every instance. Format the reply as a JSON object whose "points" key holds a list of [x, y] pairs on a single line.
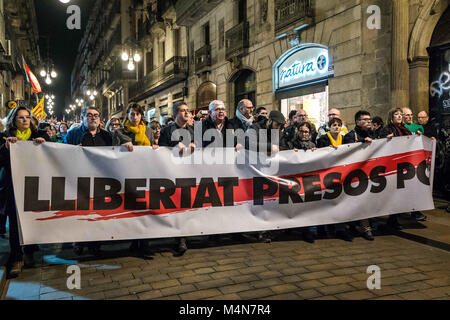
{"points": [[256, 144], [358, 135], [323, 141], [165, 140], [237, 124], [6, 187], [208, 123]]}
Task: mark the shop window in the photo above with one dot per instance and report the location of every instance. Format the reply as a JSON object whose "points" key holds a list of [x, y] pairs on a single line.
{"points": [[206, 93]]}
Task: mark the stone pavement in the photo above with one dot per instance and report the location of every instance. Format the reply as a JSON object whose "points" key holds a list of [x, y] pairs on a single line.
{"points": [[287, 268]]}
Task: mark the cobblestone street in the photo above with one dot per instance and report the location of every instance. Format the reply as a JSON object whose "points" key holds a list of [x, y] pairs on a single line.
{"points": [[287, 268]]}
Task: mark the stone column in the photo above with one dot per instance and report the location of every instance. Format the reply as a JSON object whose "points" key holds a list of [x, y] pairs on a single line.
{"points": [[400, 69]]}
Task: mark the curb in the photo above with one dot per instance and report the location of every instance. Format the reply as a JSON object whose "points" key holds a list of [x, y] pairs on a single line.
{"points": [[2, 282]]}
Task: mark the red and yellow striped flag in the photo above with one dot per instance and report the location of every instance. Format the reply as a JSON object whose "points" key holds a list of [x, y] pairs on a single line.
{"points": [[39, 109]]}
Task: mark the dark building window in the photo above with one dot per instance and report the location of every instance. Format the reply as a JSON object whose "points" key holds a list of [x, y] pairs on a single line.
{"points": [[206, 33], [221, 32], [242, 11], [149, 61]]}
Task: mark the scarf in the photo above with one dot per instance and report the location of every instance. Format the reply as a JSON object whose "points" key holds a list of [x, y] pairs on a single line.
{"points": [[401, 130], [247, 122], [23, 136], [140, 137], [337, 142]]}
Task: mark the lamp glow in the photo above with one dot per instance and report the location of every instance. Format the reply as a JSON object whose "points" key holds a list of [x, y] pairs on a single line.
{"points": [[137, 57], [124, 56]]}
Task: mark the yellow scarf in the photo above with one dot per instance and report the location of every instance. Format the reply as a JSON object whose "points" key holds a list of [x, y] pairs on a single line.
{"points": [[23, 136], [139, 132], [334, 142]]}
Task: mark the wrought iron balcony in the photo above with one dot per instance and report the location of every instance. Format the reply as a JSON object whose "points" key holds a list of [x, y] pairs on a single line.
{"points": [[203, 58], [290, 12], [171, 72], [237, 40]]}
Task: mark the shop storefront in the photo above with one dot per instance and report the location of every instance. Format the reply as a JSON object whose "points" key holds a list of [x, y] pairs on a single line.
{"points": [[300, 81]]}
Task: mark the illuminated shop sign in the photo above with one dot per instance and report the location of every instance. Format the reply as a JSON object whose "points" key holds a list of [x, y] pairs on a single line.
{"points": [[306, 63]]}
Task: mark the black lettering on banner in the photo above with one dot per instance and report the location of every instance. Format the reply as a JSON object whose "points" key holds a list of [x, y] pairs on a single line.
{"points": [[31, 201], [228, 185], [259, 192], [330, 183], [405, 171], [132, 195], [100, 193], [58, 193], [157, 196], [186, 184], [363, 183], [83, 193], [290, 192], [376, 178], [421, 173], [311, 188], [207, 184]]}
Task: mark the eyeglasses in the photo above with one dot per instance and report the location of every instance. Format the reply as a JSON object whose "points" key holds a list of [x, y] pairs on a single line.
{"points": [[302, 116], [408, 115], [366, 119], [219, 110], [23, 118], [92, 116]]}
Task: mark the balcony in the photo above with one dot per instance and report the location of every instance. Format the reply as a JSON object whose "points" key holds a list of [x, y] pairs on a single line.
{"points": [[171, 72], [203, 59], [117, 74], [191, 11], [292, 12], [237, 40]]}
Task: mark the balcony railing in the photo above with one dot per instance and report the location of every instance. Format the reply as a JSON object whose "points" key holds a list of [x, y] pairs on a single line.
{"points": [[118, 74], [203, 58], [171, 72], [288, 12], [237, 40]]}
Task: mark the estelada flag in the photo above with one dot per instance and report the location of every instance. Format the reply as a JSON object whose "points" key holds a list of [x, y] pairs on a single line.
{"points": [[34, 81], [42, 116], [39, 108]]}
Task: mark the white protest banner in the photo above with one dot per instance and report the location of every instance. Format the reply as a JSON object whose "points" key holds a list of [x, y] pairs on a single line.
{"points": [[69, 193]]}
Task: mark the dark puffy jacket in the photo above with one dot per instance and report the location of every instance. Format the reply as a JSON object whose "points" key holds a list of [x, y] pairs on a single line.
{"points": [[358, 135], [208, 123], [255, 144], [165, 140]]}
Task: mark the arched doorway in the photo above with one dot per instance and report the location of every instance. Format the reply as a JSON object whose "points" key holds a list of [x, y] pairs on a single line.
{"points": [[206, 93], [439, 100], [243, 87]]}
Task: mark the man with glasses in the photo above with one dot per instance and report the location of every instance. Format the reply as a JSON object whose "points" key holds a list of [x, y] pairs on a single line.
{"points": [[408, 120], [362, 133], [428, 127], [217, 120], [244, 115], [300, 118], [89, 134]]}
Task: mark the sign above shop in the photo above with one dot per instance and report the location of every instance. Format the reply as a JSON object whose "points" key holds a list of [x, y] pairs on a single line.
{"points": [[301, 65]]}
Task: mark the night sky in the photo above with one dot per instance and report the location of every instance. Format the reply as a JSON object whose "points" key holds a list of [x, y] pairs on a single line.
{"points": [[52, 17]]}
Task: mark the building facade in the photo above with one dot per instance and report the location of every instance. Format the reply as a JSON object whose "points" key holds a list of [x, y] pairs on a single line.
{"points": [[18, 43]]}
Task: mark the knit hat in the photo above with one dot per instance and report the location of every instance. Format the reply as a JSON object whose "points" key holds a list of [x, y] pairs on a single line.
{"points": [[277, 116]]}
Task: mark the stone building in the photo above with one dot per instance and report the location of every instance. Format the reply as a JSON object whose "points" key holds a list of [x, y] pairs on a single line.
{"points": [[163, 73], [98, 67], [235, 47], [18, 39]]}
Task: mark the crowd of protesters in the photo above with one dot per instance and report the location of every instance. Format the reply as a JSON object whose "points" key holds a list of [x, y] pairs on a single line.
{"points": [[295, 133]]}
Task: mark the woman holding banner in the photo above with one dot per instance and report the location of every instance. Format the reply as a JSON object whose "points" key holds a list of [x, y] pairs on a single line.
{"points": [[18, 128], [135, 133]]}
